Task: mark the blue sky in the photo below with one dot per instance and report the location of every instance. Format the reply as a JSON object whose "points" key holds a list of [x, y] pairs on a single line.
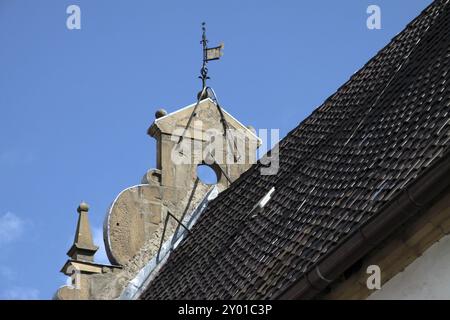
{"points": [[75, 104]]}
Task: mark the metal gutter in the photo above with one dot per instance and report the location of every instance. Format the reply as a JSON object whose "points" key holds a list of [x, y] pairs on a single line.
{"points": [[407, 203]]}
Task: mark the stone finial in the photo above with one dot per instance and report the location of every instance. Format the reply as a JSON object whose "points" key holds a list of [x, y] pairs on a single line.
{"points": [[160, 113], [83, 207], [201, 96], [81, 267], [83, 248]]}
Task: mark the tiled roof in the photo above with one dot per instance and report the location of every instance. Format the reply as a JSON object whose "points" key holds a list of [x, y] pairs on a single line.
{"points": [[372, 138]]}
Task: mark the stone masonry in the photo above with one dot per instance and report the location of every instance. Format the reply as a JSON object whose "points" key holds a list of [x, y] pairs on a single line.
{"points": [[199, 134]]}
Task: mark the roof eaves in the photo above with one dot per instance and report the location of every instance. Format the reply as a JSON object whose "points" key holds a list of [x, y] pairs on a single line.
{"points": [[403, 206]]}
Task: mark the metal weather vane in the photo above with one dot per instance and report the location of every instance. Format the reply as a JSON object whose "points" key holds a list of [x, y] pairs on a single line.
{"points": [[209, 54]]}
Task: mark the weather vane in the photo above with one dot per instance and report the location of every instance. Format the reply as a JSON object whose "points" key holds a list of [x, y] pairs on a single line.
{"points": [[208, 55]]}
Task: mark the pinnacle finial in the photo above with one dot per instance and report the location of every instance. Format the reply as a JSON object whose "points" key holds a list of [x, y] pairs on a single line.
{"points": [[83, 247], [83, 207]]}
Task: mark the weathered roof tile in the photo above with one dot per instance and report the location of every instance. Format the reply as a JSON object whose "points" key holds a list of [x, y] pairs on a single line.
{"points": [[350, 157]]}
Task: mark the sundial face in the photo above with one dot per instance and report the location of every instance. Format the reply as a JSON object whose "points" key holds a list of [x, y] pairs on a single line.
{"points": [[132, 219], [136, 218]]}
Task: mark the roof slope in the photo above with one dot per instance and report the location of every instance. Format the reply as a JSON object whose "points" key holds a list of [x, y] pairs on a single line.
{"points": [[351, 156]]}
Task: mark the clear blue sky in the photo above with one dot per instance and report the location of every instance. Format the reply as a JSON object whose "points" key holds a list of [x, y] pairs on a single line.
{"points": [[75, 104]]}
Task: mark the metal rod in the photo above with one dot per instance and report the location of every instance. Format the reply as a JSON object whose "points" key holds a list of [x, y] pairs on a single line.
{"points": [[184, 212], [226, 127], [220, 168], [191, 116], [162, 237], [179, 222], [204, 69]]}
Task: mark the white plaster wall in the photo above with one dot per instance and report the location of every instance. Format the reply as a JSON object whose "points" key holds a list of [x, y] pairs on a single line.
{"points": [[428, 277]]}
